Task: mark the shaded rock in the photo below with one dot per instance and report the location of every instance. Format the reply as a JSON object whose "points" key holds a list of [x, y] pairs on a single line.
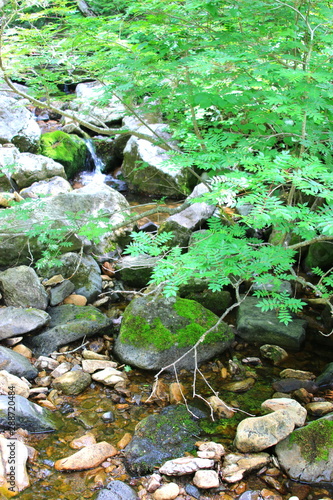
{"points": [[87, 458], [240, 386], [318, 408], [136, 271], [326, 378], [117, 490], [293, 384], [235, 465], [161, 437], [254, 325], [31, 168], [16, 364], [18, 321], [158, 177], [206, 479], [258, 433], [298, 374], [84, 274], [69, 323], [21, 287], [51, 187], [307, 454], [17, 125], [28, 415], [59, 292], [320, 254], [13, 477], [72, 383], [11, 383], [185, 465], [297, 412], [167, 492], [274, 353], [156, 331]]}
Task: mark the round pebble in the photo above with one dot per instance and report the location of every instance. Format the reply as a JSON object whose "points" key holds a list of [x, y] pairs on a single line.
{"points": [[167, 492]]}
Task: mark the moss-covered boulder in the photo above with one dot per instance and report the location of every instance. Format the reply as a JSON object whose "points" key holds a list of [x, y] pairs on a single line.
{"points": [[320, 254], [162, 437], [307, 454], [156, 331], [69, 150]]}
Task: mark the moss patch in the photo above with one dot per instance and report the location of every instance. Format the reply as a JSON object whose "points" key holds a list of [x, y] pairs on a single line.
{"points": [[315, 440], [69, 150], [165, 324]]}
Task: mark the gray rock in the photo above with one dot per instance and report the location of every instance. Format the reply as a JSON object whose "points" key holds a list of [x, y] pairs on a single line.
{"points": [[253, 325], [162, 437], [72, 383], [50, 187], [156, 331], [326, 378], [59, 292], [307, 454], [197, 289], [26, 415], [258, 433], [21, 287], [136, 271], [51, 213], [69, 323], [30, 168], [158, 177], [117, 490], [15, 321], [297, 412], [16, 364], [83, 271], [17, 125], [274, 353], [293, 384], [320, 254]]}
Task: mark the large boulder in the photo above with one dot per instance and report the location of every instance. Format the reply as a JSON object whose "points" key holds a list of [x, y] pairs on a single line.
{"points": [[16, 364], [17, 125], [19, 226], [147, 168], [28, 415], [50, 187], [21, 287], [161, 437], [31, 168], [69, 323], [307, 454], [254, 325], [156, 331], [15, 321], [68, 149]]}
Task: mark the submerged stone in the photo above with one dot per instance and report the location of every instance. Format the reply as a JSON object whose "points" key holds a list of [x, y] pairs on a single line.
{"points": [[161, 437], [28, 415]]}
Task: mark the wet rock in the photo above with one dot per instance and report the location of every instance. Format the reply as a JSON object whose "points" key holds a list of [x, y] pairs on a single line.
{"points": [[270, 495], [92, 365], [59, 292], [156, 331], [108, 416], [297, 374], [124, 441], [21, 287], [16, 321], [209, 449], [240, 386], [297, 412], [11, 383], [307, 454], [293, 384], [72, 383], [117, 490], [250, 495], [28, 415], [235, 465], [303, 395], [318, 408], [86, 440], [326, 378], [192, 491], [87, 458], [220, 407], [161, 437], [176, 393], [274, 353], [69, 323], [16, 364], [254, 325], [258, 433], [185, 465], [167, 492], [206, 479], [13, 477]]}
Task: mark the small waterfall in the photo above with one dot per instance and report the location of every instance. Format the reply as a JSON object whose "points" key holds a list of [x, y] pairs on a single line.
{"points": [[94, 167]]}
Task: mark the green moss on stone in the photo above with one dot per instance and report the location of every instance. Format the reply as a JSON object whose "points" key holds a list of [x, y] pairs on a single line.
{"points": [[315, 440], [69, 150]]}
